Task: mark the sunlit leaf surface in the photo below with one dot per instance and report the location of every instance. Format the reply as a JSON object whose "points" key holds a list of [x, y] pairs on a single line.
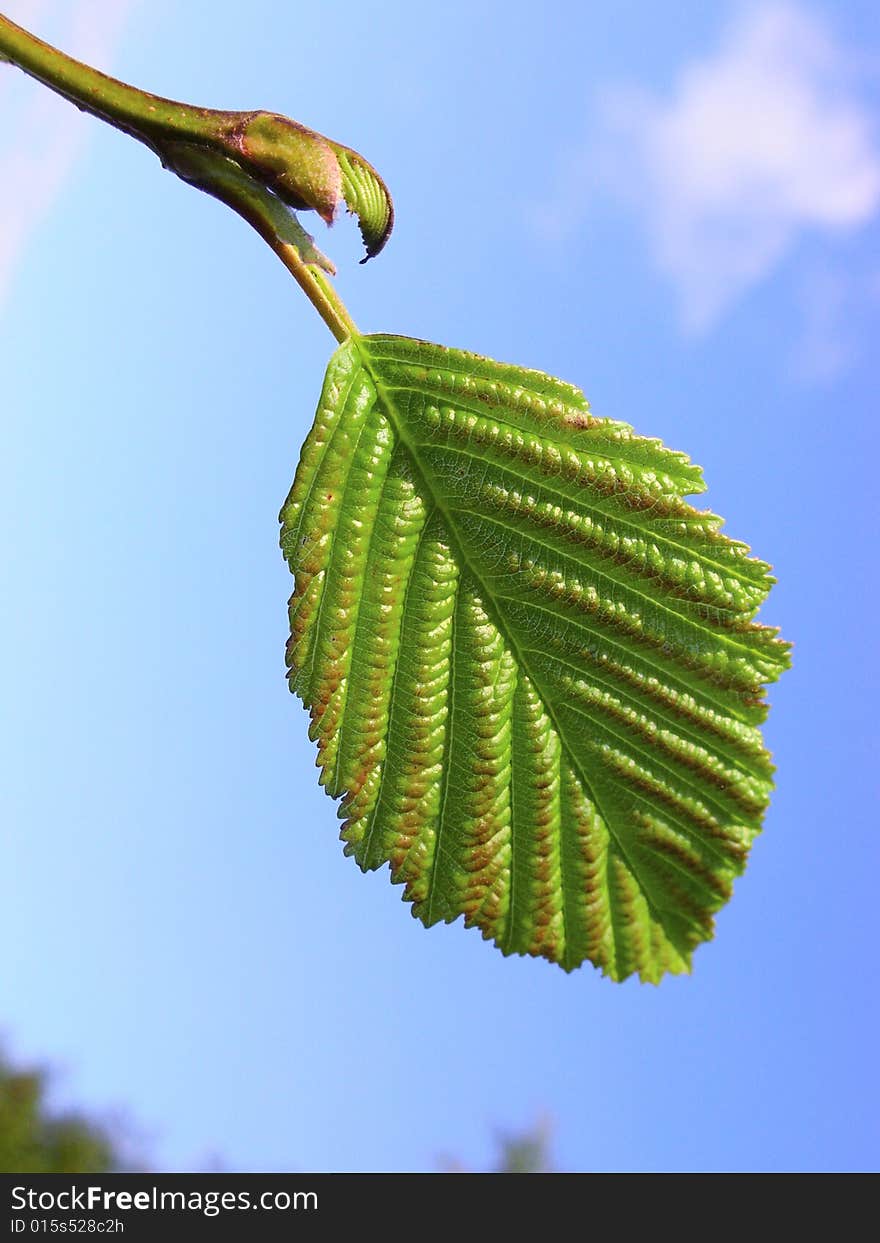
{"points": [[532, 667]]}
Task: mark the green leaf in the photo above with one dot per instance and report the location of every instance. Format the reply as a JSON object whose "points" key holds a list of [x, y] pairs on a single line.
{"points": [[532, 669], [311, 172], [366, 196]]}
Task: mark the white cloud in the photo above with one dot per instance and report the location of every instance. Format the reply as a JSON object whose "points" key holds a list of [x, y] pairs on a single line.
{"points": [[42, 135], [758, 142]]}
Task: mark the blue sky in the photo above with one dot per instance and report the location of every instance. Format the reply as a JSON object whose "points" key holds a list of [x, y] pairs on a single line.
{"points": [[675, 206]]}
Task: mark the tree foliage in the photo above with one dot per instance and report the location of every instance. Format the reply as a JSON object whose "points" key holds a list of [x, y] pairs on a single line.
{"points": [[34, 1139]]}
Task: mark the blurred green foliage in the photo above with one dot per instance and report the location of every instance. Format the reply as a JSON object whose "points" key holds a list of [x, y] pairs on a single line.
{"points": [[516, 1152], [525, 1153], [36, 1140]]}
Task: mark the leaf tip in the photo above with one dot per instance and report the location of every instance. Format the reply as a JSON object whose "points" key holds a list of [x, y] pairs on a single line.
{"points": [[367, 197]]}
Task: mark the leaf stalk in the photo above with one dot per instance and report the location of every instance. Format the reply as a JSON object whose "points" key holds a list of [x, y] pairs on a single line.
{"points": [[262, 165]]}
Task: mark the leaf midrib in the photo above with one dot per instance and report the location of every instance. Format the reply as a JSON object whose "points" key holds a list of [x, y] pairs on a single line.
{"points": [[400, 428], [749, 584], [724, 748], [607, 577], [681, 460], [757, 568]]}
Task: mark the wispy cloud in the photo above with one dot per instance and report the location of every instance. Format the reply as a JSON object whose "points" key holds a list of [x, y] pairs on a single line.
{"points": [[759, 141], [838, 308], [42, 136]]}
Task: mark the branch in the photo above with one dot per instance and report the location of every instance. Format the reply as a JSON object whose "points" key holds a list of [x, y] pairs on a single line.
{"points": [[261, 164]]}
